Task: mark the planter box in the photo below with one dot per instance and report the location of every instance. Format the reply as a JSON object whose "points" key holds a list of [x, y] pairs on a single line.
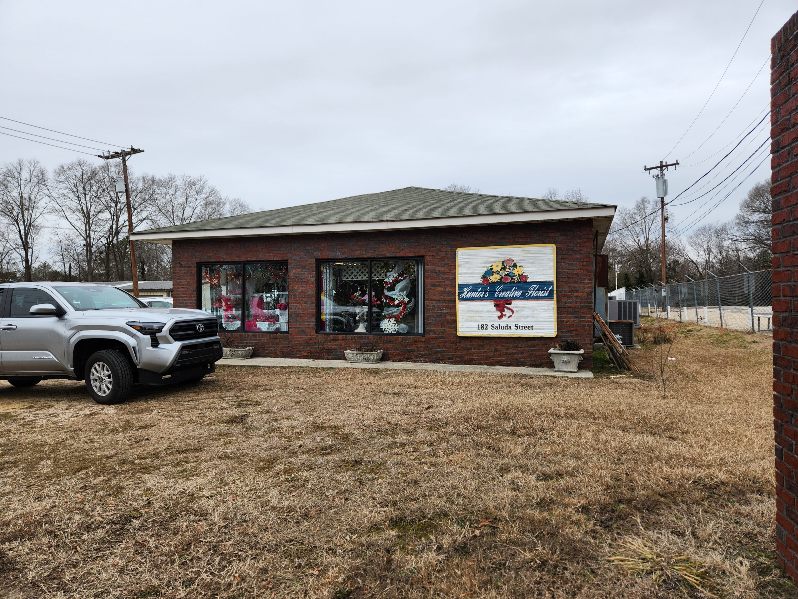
{"points": [[566, 361], [367, 357], [239, 353]]}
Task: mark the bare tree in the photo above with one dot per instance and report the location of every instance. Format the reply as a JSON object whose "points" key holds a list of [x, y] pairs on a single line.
{"points": [[712, 248], [66, 252], [23, 203], [185, 199], [461, 188], [76, 193], [7, 265], [753, 222], [633, 242], [235, 206], [572, 195], [116, 251]]}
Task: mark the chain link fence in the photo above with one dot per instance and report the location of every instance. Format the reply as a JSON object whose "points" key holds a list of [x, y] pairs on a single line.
{"points": [[741, 301]]}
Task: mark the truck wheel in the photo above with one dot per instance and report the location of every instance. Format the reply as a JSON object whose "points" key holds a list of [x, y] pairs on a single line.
{"points": [[24, 381], [109, 376]]}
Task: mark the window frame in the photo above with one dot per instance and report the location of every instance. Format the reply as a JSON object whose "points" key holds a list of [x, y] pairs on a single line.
{"points": [[8, 302], [421, 289], [5, 301], [244, 304]]}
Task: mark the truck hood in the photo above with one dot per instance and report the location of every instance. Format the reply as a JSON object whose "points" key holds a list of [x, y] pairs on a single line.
{"points": [[163, 315]]}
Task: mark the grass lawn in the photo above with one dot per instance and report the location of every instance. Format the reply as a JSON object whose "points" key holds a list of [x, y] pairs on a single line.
{"points": [[352, 483]]}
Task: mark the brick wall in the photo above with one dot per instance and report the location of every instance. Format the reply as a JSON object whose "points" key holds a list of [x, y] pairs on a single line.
{"points": [[440, 342], [784, 132]]}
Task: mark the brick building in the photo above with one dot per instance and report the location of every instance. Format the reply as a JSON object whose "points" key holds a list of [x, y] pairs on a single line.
{"points": [[423, 274], [784, 150]]}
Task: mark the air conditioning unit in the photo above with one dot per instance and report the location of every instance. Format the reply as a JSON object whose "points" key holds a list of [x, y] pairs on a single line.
{"points": [[625, 329], [624, 310]]}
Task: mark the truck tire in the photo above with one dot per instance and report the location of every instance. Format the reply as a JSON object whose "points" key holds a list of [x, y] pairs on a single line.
{"points": [[24, 381], [109, 376]]}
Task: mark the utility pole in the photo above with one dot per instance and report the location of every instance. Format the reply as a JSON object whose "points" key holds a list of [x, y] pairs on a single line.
{"points": [[123, 154], [662, 191]]}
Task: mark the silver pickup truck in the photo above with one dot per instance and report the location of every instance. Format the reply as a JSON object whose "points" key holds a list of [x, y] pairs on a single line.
{"points": [[102, 335]]}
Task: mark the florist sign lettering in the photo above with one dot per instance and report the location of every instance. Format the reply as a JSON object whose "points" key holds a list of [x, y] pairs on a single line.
{"points": [[507, 291]]}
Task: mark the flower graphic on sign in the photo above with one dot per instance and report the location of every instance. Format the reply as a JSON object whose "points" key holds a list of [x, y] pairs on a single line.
{"points": [[504, 271]]}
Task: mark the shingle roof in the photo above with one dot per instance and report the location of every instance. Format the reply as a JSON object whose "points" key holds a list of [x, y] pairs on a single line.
{"points": [[409, 203]]}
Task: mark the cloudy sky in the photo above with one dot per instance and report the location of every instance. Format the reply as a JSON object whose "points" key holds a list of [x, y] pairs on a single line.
{"points": [[283, 103]]}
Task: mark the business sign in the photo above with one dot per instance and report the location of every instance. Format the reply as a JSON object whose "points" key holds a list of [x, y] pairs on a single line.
{"points": [[507, 291]]}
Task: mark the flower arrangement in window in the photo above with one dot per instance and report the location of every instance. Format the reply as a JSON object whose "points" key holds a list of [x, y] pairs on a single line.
{"points": [[261, 318], [397, 302], [361, 298], [230, 318], [506, 271], [214, 279]]}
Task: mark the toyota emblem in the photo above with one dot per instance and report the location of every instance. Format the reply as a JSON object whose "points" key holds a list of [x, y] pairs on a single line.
{"points": [[200, 327]]}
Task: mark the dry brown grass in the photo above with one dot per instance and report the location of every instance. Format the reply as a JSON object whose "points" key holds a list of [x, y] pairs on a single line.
{"points": [[351, 483]]}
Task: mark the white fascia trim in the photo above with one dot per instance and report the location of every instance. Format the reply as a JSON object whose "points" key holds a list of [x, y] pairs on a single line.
{"points": [[427, 223]]}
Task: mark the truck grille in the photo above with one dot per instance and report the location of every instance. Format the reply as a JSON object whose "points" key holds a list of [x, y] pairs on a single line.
{"points": [[194, 329], [198, 353]]}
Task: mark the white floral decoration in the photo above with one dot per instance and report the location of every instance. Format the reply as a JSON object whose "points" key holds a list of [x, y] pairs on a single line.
{"points": [[388, 325]]}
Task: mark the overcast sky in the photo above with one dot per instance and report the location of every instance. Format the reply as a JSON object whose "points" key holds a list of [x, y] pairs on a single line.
{"points": [[283, 103]]}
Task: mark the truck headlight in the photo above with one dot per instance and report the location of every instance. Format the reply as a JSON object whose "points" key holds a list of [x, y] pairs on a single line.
{"points": [[146, 328]]}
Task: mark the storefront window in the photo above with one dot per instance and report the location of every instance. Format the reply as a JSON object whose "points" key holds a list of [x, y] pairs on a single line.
{"points": [[220, 293], [266, 296], [250, 297], [380, 296]]}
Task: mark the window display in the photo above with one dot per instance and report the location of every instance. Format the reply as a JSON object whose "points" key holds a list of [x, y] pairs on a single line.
{"points": [[380, 296], [266, 295], [252, 297]]}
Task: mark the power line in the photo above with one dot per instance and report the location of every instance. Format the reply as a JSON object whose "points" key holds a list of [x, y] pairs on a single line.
{"points": [[105, 143], [717, 85], [71, 143], [732, 109], [726, 145], [694, 183], [719, 202], [687, 221], [723, 184], [728, 177], [44, 143], [710, 181]]}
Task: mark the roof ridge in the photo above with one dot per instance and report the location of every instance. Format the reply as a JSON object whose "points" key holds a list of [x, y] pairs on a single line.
{"points": [[493, 195]]}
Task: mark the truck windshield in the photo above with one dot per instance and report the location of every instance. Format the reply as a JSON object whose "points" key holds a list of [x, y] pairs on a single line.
{"points": [[97, 297]]}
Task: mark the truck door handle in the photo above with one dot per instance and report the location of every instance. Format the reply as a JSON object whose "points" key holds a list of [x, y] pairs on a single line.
{"points": [[8, 327]]}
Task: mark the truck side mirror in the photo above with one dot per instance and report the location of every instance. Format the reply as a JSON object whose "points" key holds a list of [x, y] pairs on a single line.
{"points": [[45, 310]]}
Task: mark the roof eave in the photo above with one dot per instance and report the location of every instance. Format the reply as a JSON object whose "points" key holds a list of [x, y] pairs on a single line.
{"points": [[596, 213]]}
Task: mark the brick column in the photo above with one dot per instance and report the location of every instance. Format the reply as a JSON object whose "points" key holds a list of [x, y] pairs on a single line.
{"points": [[784, 133]]}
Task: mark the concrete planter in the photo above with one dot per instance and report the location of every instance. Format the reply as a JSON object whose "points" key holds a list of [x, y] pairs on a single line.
{"points": [[566, 361], [239, 353], [368, 357]]}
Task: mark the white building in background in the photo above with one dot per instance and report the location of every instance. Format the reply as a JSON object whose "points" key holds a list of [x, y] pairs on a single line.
{"points": [[618, 294]]}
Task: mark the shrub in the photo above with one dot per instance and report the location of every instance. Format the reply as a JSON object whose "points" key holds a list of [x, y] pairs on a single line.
{"points": [[654, 335], [569, 345]]}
